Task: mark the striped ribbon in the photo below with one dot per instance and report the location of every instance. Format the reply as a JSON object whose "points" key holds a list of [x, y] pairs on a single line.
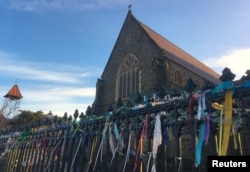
{"points": [[139, 148]]}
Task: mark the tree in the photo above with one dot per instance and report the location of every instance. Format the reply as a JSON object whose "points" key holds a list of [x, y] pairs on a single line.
{"points": [[26, 118]]}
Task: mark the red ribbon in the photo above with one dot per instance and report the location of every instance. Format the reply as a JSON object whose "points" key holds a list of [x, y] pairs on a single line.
{"points": [[144, 134], [191, 100]]}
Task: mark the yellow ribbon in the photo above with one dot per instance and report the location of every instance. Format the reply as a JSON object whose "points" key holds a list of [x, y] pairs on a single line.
{"points": [[93, 148], [220, 132], [235, 141], [228, 105], [224, 130]]}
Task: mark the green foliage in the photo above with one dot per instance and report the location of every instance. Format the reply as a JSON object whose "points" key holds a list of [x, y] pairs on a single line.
{"points": [[26, 118]]}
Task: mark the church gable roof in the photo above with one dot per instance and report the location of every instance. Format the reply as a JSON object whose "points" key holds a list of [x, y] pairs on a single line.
{"points": [[180, 56]]}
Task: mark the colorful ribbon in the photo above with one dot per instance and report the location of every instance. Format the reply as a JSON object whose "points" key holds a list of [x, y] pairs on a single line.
{"points": [[201, 114], [144, 134], [118, 143], [199, 144], [104, 133], [91, 154], [207, 127], [73, 161], [223, 86]]}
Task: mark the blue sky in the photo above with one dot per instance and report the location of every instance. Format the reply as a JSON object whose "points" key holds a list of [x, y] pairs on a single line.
{"points": [[55, 50]]}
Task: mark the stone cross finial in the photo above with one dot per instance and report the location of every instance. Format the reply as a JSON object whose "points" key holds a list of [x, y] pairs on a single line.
{"points": [[129, 6]]}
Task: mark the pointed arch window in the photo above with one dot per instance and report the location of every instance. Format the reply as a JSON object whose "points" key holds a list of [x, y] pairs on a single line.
{"points": [[128, 77], [178, 78]]}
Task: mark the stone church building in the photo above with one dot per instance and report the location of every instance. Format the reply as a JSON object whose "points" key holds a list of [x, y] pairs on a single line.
{"points": [[142, 61]]}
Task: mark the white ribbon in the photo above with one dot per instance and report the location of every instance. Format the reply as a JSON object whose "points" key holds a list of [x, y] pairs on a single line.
{"points": [[118, 143], [9, 141], [202, 104], [99, 150], [79, 144], [156, 142], [128, 150]]}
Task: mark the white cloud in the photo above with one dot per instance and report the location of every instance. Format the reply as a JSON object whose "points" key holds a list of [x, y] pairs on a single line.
{"points": [[57, 109], [44, 87], [56, 98], [237, 60], [57, 102], [56, 93], [38, 71]]}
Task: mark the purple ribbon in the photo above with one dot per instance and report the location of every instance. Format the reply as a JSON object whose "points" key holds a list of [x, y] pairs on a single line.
{"points": [[207, 127]]}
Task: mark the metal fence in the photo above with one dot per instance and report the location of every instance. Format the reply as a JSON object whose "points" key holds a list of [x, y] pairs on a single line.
{"points": [[122, 140]]}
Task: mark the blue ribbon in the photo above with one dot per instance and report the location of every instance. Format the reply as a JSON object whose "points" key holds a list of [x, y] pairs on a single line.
{"points": [[246, 84], [223, 86], [166, 135], [117, 135], [199, 145]]}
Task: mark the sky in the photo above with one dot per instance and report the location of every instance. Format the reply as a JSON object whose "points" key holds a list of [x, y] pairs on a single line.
{"points": [[55, 50]]}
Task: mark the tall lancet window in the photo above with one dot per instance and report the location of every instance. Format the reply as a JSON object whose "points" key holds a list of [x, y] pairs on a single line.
{"points": [[178, 78], [128, 77]]}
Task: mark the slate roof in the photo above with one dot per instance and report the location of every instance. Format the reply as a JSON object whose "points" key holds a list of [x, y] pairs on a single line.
{"points": [[181, 57]]}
